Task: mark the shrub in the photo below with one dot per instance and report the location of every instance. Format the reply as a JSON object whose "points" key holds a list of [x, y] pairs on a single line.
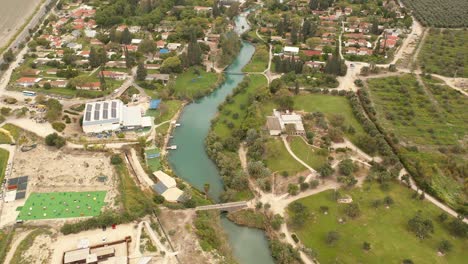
{"points": [[58, 126], [116, 159], [332, 237], [55, 140], [444, 246], [159, 199]]}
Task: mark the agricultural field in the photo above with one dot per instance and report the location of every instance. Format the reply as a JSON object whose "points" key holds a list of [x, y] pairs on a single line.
{"points": [[235, 111], [384, 226], [12, 17], [314, 157], [440, 13], [278, 159], [430, 124], [194, 83], [445, 52]]}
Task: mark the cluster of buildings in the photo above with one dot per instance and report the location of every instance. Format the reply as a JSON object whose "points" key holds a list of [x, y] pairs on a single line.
{"points": [[285, 123], [113, 115]]}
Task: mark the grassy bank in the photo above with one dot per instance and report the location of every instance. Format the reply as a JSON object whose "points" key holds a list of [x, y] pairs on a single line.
{"points": [[259, 61], [315, 158], [195, 83], [278, 159], [27, 242], [4, 154]]}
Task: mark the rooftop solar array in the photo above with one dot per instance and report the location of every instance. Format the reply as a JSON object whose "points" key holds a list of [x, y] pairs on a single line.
{"points": [[20, 195], [89, 109], [97, 108], [105, 112]]}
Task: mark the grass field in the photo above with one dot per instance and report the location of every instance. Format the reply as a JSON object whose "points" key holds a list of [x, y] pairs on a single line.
{"points": [[385, 229], [62, 205], [167, 110], [14, 130], [4, 154], [154, 164], [445, 52], [238, 107], [330, 105], [259, 61], [315, 158], [279, 160], [191, 84], [4, 138]]}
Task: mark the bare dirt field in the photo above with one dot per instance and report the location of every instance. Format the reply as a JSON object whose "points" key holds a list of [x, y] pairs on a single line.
{"points": [[13, 15], [183, 238]]}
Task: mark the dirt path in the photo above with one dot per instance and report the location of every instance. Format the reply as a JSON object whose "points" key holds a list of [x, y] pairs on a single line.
{"points": [[16, 241], [141, 173]]}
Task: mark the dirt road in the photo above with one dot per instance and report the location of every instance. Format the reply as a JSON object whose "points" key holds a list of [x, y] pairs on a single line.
{"points": [[13, 14]]}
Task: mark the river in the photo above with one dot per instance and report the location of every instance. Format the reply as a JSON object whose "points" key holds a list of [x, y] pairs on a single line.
{"points": [[191, 163]]}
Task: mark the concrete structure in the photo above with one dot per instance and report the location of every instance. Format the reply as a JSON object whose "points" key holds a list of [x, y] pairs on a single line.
{"points": [[113, 116], [167, 187], [285, 123], [291, 50]]}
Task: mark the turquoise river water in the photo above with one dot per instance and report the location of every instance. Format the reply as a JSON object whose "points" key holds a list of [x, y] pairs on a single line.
{"points": [[191, 163]]}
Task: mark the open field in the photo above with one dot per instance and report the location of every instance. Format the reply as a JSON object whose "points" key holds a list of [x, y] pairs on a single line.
{"points": [[62, 205], [330, 105], [278, 159], [315, 158], [384, 228], [445, 52], [4, 154], [430, 123], [234, 112], [13, 15], [167, 110], [154, 163], [194, 83], [439, 13], [259, 61]]}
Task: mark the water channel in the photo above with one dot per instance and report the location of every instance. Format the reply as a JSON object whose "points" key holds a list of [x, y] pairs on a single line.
{"points": [[191, 162]]}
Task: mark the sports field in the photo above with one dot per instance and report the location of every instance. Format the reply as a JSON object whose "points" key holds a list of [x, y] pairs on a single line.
{"points": [[62, 205], [152, 159]]}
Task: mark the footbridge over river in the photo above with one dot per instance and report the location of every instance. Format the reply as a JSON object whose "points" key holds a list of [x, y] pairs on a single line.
{"points": [[227, 207]]}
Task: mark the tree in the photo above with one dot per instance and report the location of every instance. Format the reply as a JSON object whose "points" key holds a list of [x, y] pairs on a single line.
{"points": [[55, 140], [277, 221], [352, 210], [444, 246], [206, 188], [159, 199], [332, 237], [293, 189], [116, 159], [147, 46], [171, 65], [458, 228], [194, 52], [299, 214], [8, 56], [443, 216], [141, 72], [276, 85], [347, 167], [97, 57], [126, 37], [326, 170], [420, 226], [366, 246]]}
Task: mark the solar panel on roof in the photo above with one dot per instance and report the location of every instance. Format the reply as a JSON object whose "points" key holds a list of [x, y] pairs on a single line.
{"points": [[22, 179], [114, 113], [105, 114], [88, 116], [20, 195], [98, 107], [22, 186], [13, 181], [89, 107], [114, 105], [96, 115]]}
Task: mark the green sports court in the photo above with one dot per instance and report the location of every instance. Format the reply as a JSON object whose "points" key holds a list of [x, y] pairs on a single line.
{"points": [[62, 205]]}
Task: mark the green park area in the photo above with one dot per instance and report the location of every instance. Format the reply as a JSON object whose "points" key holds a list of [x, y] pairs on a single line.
{"points": [[4, 154], [314, 157], [445, 52], [166, 110], [194, 83], [259, 61], [278, 159], [236, 108], [62, 205], [5, 138], [330, 105], [153, 159], [379, 232]]}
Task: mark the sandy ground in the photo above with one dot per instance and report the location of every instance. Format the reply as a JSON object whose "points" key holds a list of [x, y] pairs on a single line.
{"points": [[40, 251], [184, 238], [52, 170], [13, 15]]}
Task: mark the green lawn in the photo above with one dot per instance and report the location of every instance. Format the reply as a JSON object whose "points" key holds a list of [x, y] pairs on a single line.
{"points": [[14, 130], [330, 105], [4, 154], [4, 138], [445, 52], [191, 85], [385, 229], [166, 111], [154, 164], [62, 205], [314, 157], [278, 158], [259, 61], [238, 107]]}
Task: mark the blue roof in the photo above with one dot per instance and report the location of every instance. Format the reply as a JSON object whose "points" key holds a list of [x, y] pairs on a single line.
{"points": [[159, 188], [155, 103], [163, 51]]}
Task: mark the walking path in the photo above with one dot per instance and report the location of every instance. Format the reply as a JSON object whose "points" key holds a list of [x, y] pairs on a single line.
{"points": [[16, 241]]}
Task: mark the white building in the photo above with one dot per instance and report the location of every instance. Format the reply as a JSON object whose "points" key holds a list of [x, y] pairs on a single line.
{"points": [[291, 50], [167, 187], [113, 115], [279, 122]]}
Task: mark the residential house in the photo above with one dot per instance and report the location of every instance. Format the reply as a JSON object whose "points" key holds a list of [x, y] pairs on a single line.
{"points": [[288, 50], [27, 81], [164, 78], [290, 123], [114, 75], [89, 86], [173, 46], [160, 44], [167, 187]]}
